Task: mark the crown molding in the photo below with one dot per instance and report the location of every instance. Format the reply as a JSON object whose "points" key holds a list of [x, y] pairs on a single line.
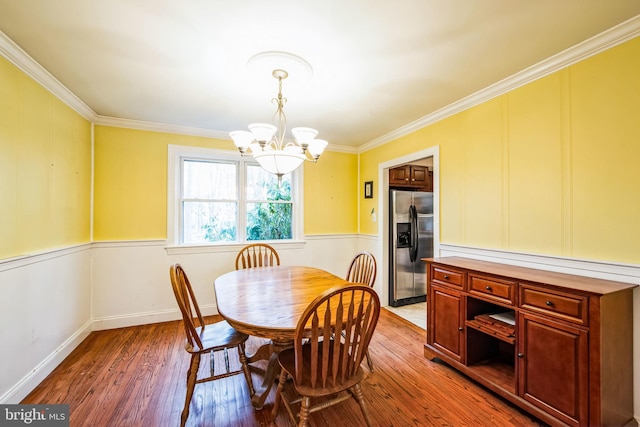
{"points": [[606, 40], [160, 127], [186, 130], [25, 63]]}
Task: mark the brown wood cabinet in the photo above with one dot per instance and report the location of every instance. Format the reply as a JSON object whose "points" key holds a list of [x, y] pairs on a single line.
{"points": [[559, 346], [411, 177]]}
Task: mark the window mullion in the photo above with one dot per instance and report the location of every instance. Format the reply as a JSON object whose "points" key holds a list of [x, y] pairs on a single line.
{"points": [[241, 201]]}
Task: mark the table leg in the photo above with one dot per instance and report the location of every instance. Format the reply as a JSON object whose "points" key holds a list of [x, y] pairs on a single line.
{"points": [[262, 353], [272, 372]]}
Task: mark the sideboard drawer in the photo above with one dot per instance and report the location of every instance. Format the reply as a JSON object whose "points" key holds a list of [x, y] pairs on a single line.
{"points": [[571, 307], [493, 288], [447, 277]]}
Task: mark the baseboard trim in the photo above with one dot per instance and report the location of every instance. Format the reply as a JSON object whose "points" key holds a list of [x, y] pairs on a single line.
{"points": [[30, 381]]}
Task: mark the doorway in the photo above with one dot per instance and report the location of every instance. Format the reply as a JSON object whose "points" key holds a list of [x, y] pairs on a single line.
{"points": [[429, 155]]}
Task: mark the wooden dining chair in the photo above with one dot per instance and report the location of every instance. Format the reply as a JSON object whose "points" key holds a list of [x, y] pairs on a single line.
{"points": [[204, 338], [257, 255], [322, 366], [363, 269]]}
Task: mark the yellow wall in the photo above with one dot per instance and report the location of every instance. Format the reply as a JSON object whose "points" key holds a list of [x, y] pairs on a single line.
{"points": [[331, 194], [548, 168], [131, 185], [45, 168]]}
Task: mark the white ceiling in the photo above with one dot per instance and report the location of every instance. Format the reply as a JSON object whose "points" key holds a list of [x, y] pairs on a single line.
{"points": [[377, 65]]}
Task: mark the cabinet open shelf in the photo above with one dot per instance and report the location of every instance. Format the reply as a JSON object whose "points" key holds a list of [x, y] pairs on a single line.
{"points": [[489, 329], [496, 371], [492, 356]]}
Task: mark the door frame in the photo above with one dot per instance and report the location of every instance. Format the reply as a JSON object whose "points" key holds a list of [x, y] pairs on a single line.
{"points": [[383, 210]]}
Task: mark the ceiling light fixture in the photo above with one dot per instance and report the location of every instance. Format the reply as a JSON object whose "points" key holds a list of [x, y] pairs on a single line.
{"points": [[267, 144]]}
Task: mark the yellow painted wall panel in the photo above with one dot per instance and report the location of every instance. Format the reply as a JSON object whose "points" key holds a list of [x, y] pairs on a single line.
{"points": [[483, 190], [450, 136], [605, 94], [9, 152], [34, 174], [331, 194], [46, 168], [535, 164]]}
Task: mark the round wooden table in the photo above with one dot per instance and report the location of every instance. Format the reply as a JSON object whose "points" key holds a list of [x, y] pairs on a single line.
{"points": [[267, 302]]}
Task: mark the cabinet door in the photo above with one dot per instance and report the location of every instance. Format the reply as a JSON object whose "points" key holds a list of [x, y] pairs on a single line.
{"points": [[419, 176], [446, 321], [553, 368], [399, 176]]}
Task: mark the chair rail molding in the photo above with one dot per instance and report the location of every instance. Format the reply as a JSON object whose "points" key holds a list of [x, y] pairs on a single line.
{"points": [[619, 272]]}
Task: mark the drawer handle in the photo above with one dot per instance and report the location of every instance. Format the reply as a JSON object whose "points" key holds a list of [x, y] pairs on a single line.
{"points": [[549, 303], [488, 288], [520, 355], [460, 328], [446, 277]]}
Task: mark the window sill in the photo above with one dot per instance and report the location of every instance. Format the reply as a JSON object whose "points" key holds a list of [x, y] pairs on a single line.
{"points": [[230, 247]]}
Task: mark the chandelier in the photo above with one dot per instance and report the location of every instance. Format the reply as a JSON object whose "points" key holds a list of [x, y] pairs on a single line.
{"points": [[267, 144]]}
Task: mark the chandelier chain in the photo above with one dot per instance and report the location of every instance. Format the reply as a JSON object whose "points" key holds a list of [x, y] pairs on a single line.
{"points": [[280, 101]]}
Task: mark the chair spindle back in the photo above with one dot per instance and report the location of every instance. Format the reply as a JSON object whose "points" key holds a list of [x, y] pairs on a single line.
{"points": [[338, 325], [257, 255]]}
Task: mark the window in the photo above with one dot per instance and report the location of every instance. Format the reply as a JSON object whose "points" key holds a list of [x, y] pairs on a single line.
{"points": [[217, 197], [209, 201]]}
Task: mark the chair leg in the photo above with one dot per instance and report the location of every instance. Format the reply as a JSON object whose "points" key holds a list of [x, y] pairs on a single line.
{"points": [[245, 368], [369, 361], [357, 393], [192, 375], [276, 403], [305, 410]]}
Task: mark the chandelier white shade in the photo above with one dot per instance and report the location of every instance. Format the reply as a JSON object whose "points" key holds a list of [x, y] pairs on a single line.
{"points": [[267, 144]]}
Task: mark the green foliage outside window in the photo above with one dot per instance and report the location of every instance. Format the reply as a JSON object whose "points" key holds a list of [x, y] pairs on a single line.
{"points": [[271, 221], [266, 220]]}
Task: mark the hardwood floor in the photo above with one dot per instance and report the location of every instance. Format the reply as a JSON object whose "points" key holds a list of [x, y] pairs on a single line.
{"points": [[136, 377]]}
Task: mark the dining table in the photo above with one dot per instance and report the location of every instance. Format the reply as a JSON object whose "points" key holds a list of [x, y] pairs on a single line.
{"points": [[267, 302]]}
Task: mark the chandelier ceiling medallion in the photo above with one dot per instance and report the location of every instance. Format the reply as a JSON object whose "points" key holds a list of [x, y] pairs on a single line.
{"points": [[267, 144]]}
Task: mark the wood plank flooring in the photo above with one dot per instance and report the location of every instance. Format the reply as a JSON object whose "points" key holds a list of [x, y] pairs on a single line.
{"points": [[137, 376]]}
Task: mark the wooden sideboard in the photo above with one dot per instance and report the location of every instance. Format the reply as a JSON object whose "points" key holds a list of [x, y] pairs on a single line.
{"points": [[559, 346]]}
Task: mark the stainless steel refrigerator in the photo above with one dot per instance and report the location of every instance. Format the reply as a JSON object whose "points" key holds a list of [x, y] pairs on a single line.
{"points": [[410, 239]]}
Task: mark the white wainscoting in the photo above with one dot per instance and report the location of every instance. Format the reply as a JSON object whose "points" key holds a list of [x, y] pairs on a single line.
{"points": [[45, 312], [131, 279]]}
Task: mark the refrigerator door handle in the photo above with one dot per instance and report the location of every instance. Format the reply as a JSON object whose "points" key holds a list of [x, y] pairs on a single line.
{"points": [[413, 214]]}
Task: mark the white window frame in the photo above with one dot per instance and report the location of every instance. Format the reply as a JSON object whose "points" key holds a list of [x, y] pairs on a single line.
{"points": [[176, 154]]}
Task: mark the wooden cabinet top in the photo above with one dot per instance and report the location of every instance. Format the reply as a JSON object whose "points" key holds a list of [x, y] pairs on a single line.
{"points": [[580, 283]]}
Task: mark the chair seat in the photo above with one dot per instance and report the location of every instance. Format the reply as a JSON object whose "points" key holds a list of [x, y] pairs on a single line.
{"points": [[218, 336], [286, 358]]}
